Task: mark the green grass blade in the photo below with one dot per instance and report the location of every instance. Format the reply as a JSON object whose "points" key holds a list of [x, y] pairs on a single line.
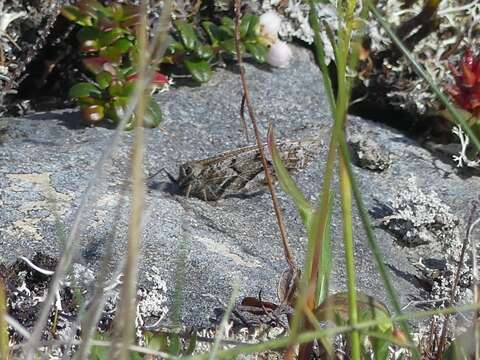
{"points": [[320, 55], [287, 183], [325, 268]]}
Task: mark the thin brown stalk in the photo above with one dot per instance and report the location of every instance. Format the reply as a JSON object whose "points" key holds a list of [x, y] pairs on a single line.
{"points": [[453, 292], [242, 118], [251, 112], [125, 320]]}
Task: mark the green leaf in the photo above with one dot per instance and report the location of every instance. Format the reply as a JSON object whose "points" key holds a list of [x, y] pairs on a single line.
{"points": [[116, 88], [187, 34], [122, 45], [128, 88], [192, 344], [258, 51], [108, 37], [176, 47], [103, 79], [204, 52], [74, 14], [174, 347], [250, 27], [288, 184], [213, 32], [228, 23], [200, 69], [85, 101], [153, 114], [89, 33], [117, 11], [226, 32], [116, 108], [112, 54], [83, 89], [229, 46], [325, 269]]}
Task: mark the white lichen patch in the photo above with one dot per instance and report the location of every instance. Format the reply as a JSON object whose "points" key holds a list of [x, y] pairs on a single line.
{"points": [[152, 301], [420, 218], [457, 27]]}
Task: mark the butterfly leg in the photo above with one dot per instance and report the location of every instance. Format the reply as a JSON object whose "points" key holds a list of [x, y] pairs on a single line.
{"points": [[204, 193], [209, 194], [189, 189]]}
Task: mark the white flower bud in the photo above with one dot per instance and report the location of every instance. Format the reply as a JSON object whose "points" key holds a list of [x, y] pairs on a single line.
{"points": [[279, 55], [270, 23]]}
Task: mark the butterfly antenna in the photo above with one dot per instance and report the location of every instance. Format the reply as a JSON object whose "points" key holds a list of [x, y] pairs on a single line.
{"points": [[170, 176]]}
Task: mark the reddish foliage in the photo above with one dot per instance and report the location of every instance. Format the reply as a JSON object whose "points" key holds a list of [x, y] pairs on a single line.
{"points": [[466, 91], [158, 79]]}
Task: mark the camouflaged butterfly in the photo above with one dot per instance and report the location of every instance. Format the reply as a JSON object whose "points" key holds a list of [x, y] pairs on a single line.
{"points": [[240, 170]]}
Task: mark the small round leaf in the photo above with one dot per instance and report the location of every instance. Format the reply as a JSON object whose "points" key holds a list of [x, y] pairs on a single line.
{"points": [[258, 51], [187, 34], [204, 52], [83, 89], [200, 69]]}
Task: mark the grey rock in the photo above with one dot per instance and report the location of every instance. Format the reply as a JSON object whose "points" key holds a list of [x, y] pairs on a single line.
{"points": [[47, 160]]}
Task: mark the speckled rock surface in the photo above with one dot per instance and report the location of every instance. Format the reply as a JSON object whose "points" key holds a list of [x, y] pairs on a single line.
{"points": [[46, 161]]}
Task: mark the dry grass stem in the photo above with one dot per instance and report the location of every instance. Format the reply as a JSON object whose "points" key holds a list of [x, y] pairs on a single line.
{"points": [[251, 112]]}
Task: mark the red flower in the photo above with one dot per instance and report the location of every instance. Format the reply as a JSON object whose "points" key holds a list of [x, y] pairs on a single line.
{"points": [[466, 91]]}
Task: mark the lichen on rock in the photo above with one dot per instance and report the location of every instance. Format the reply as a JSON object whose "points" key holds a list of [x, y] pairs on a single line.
{"points": [[419, 218]]}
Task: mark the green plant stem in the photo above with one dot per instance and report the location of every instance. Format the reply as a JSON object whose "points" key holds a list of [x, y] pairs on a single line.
{"points": [[343, 56], [372, 240], [320, 221], [320, 55], [346, 192]]}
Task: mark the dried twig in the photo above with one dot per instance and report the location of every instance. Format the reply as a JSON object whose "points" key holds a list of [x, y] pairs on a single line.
{"points": [[251, 112], [242, 117], [124, 331]]}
